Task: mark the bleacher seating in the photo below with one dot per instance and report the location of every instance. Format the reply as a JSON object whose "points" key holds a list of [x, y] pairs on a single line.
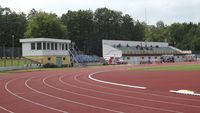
{"points": [[147, 50], [80, 57]]}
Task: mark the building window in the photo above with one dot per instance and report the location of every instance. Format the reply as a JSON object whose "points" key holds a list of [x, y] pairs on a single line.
{"points": [[39, 46], [32, 46], [63, 58], [66, 46], [48, 46], [49, 58], [52, 46], [149, 57], [128, 58], [56, 46], [142, 57], [155, 57], [63, 46], [44, 45]]}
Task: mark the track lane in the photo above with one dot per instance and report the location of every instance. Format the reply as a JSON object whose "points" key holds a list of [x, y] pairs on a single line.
{"points": [[70, 100], [100, 96], [88, 83], [181, 101], [80, 87], [11, 102], [81, 83], [31, 105], [3, 109]]}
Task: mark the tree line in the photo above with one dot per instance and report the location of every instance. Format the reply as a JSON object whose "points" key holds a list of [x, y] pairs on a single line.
{"points": [[87, 28]]}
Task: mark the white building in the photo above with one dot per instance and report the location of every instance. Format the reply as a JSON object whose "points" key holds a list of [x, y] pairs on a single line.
{"points": [[46, 50], [135, 52]]}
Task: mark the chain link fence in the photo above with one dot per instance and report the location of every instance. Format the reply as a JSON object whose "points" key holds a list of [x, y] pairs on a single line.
{"points": [[11, 59], [197, 54], [10, 51]]}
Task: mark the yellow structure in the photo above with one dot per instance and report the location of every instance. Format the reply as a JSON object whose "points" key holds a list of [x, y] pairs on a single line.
{"points": [[51, 59]]}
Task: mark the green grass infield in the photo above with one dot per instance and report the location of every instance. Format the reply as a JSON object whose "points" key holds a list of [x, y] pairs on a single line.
{"points": [[171, 68]]}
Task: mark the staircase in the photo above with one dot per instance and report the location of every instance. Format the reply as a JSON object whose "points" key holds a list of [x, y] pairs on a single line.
{"points": [[75, 56]]}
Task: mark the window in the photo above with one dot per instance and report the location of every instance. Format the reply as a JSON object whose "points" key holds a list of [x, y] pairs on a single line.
{"points": [[39, 46], [44, 45], [149, 57], [128, 58], [66, 46], [52, 46], [49, 58], [63, 58], [48, 46], [32, 46], [155, 57], [56, 46]]}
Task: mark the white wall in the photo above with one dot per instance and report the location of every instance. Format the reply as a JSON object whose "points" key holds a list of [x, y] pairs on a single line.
{"points": [[109, 51], [26, 51], [138, 59]]}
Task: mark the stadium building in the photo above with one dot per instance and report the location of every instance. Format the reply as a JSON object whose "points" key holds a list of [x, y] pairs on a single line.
{"points": [[138, 52], [47, 51]]}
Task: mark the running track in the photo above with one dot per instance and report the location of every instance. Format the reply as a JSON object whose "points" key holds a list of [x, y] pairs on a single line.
{"points": [[72, 91]]}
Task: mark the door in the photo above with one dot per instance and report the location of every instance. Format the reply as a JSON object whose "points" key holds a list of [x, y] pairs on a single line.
{"points": [[59, 61]]}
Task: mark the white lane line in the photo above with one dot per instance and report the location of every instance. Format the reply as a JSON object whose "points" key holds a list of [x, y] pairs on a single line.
{"points": [[136, 105], [6, 109], [6, 87], [159, 95], [112, 83], [59, 98], [108, 93]]}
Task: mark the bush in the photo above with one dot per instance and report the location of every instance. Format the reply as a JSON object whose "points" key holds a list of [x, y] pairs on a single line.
{"points": [[49, 65]]}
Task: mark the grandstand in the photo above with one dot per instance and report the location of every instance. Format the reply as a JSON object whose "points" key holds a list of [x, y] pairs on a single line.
{"points": [[81, 59], [138, 52]]}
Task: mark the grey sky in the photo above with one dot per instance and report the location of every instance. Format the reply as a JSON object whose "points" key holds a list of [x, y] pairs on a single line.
{"points": [[169, 11]]}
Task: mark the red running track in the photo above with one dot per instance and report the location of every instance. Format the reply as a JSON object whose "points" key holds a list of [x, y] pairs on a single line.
{"points": [[72, 91]]}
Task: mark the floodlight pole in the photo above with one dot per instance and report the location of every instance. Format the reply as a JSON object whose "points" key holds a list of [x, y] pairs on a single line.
{"points": [[4, 51], [13, 36]]}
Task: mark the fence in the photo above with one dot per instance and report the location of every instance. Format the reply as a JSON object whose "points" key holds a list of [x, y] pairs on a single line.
{"points": [[13, 63], [10, 52]]}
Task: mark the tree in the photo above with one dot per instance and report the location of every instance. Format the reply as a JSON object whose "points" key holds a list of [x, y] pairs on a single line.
{"points": [[160, 24], [127, 28], [46, 25], [11, 23], [108, 23], [80, 28], [139, 31], [31, 13]]}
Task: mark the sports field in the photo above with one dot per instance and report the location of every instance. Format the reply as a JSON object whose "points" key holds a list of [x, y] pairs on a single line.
{"points": [[103, 89], [171, 68]]}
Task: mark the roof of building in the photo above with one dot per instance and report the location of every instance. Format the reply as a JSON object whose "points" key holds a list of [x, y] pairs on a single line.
{"points": [[45, 40], [133, 43]]}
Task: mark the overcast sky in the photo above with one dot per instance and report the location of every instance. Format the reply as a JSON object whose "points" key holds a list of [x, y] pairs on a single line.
{"points": [[169, 11]]}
